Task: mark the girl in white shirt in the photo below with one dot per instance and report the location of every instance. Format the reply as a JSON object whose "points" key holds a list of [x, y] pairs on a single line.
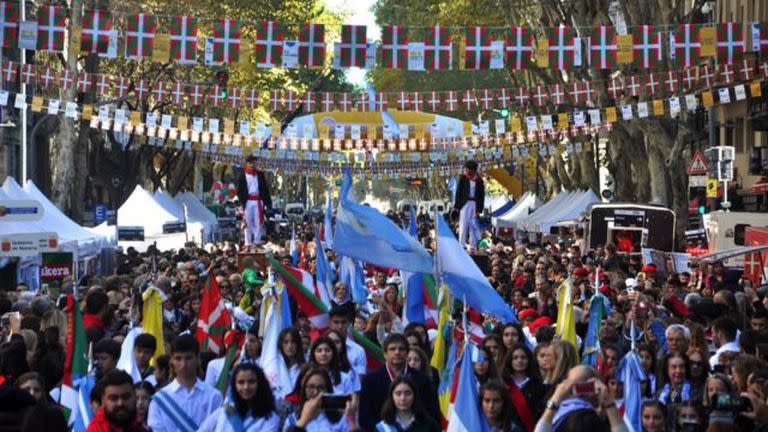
{"points": [[252, 407], [323, 353]]}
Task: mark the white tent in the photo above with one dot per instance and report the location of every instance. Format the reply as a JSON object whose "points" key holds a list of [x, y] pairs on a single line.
{"points": [[141, 210], [564, 206], [71, 238], [496, 202], [199, 230], [528, 203], [196, 208], [88, 242]]}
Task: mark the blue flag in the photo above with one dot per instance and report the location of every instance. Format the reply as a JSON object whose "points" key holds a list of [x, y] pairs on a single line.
{"points": [[328, 223], [294, 248], [631, 373], [364, 234], [464, 278], [466, 414], [323, 273], [414, 284], [353, 277]]}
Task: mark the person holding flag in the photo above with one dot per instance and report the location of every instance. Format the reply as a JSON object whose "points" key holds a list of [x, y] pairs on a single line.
{"points": [[183, 404]]}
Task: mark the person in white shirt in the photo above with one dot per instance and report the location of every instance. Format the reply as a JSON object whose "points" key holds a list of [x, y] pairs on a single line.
{"points": [[355, 353], [724, 334], [469, 203], [186, 402], [310, 415], [252, 405], [324, 353], [253, 194]]}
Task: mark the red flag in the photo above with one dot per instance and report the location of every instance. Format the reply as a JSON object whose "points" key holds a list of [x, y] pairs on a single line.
{"points": [[213, 319]]}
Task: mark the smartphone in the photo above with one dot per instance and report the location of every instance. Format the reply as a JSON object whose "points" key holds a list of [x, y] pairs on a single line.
{"points": [[587, 388], [689, 427], [331, 402], [731, 403]]}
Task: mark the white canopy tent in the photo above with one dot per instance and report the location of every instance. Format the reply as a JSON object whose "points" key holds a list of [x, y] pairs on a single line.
{"points": [[141, 210], [527, 203], [196, 208], [88, 242], [199, 230], [71, 238], [568, 205]]}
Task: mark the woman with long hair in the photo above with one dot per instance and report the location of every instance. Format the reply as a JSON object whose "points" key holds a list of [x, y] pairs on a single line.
{"points": [[390, 298], [309, 415], [323, 353], [526, 391], [252, 407], [511, 334], [484, 366], [144, 392], [717, 383], [290, 348], [647, 356], [674, 380], [496, 406], [495, 348], [654, 416], [32, 383], [544, 359], [341, 347], [697, 361], [417, 359], [565, 357], [403, 411]]}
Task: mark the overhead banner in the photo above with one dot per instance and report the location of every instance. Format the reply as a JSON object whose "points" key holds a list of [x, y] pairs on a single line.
{"points": [[24, 245]]}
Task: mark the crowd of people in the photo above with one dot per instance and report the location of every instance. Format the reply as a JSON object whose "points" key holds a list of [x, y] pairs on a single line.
{"points": [[702, 339]]}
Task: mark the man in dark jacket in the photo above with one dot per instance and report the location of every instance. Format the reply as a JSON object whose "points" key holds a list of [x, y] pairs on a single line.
{"points": [[375, 386], [253, 193], [469, 202]]}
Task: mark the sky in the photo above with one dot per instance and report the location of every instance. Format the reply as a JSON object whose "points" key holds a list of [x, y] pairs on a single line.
{"points": [[359, 12]]}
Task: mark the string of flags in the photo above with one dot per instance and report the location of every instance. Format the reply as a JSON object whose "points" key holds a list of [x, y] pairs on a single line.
{"points": [[410, 147], [293, 45], [577, 93]]}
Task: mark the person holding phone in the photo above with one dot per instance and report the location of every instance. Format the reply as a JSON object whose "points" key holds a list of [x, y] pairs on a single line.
{"points": [[311, 415], [252, 407], [403, 411]]}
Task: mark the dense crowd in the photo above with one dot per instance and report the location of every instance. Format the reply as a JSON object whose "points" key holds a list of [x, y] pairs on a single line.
{"points": [[701, 336]]}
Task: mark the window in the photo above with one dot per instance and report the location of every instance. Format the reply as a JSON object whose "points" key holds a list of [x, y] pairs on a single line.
{"points": [[738, 238]]}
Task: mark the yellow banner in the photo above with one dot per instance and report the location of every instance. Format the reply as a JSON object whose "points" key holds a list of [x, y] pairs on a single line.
{"points": [[37, 104], [161, 51], [562, 120], [610, 115], [87, 112], [755, 89], [624, 45], [516, 124], [707, 100], [229, 127], [541, 52], [182, 122], [276, 129], [708, 41], [658, 107]]}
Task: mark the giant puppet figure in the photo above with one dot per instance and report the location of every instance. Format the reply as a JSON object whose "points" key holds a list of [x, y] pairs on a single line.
{"points": [[469, 202], [253, 193]]}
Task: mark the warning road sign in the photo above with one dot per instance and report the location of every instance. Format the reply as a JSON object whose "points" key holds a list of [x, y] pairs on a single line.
{"points": [[698, 165], [712, 188]]}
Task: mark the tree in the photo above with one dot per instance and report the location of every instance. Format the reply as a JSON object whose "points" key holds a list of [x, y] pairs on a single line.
{"points": [[647, 157]]}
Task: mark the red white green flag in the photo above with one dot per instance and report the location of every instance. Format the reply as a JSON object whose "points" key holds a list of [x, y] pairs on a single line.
{"points": [[353, 46], [437, 49], [519, 48], [226, 40], [184, 39], [312, 45], [394, 46], [140, 35], [28, 74], [9, 25], [269, 43], [51, 27], [213, 318], [298, 282], [602, 49], [478, 48], [84, 82], [646, 46], [564, 47], [685, 47], [762, 38], [97, 26], [75, 359], [730, 42]]}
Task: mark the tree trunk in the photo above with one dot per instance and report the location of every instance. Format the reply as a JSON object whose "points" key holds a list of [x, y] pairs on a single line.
{"points": [[586, 161], [63, 156]]}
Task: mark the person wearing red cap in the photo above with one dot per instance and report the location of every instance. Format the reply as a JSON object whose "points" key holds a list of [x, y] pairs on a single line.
{"points": [[528, 316]]}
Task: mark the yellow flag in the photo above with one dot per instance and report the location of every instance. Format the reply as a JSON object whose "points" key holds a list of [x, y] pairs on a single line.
{"points": [[152, 318], [566, 323], [541, 52], [87, 112], [624, 45], [562, 120], [755, 89], [707, 39], [658, 107], [706, 99], [440, 351], [610, 114], [37, 104]]}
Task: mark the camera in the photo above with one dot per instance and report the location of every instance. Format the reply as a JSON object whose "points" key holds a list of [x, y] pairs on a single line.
{"points": [[730, 403]]}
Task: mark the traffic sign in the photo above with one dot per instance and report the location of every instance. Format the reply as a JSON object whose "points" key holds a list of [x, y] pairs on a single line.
{"points": [[697, 181], [712, 185], [20, 211], [698, 165]]}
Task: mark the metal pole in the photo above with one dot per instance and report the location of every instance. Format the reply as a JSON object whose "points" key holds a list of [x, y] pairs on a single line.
{"points": [[23, 59]]}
